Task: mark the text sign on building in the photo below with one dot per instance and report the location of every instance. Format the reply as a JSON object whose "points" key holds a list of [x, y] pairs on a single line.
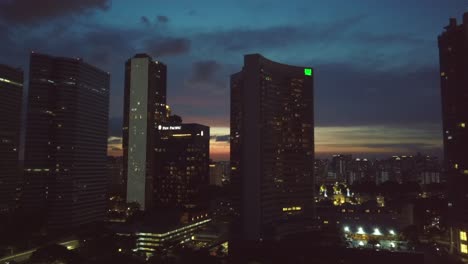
{"points": [[169, 127]]}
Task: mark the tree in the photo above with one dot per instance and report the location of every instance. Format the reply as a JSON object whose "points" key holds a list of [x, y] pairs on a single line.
{"points": [[373, 242]]}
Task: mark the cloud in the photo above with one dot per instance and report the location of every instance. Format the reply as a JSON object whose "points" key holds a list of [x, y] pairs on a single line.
{"points": [[224, 138], [248, 39], [204, 70], [114, 140], [167, 46], [31, 11], [145, 20], [208, 76], [162, 19], [363, 96], [379, 140]]}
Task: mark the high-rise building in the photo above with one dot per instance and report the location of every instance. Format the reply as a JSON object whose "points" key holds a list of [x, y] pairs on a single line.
{"points": [[453, 55], [144, 108], [66, 141], [339, 167], [272, 147], [219, 172], [11, 95], [182, 162], [115, 177]]}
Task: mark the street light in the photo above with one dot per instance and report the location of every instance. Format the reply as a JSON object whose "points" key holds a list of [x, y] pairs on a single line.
{"points": [[377, 232], [361, 231]]}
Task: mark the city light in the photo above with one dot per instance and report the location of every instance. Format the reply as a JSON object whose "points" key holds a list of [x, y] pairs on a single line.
{"points": [[346, 229], [392, 232], [361, 231], [10, 82], [377, 232], [294, 208], [308, 71]]}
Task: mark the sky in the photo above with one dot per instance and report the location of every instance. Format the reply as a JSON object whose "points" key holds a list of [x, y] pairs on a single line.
{"points": [[375, 62]]}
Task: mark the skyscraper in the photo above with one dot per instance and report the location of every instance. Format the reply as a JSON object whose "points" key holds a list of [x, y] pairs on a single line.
{"points": [[272, 147], [66, 141], [11, 96], [182, 160], [453, 54], [144, 108]]}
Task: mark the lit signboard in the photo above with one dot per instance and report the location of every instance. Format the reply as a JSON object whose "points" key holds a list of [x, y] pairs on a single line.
{"points": [[160, 127], [308, 71]]}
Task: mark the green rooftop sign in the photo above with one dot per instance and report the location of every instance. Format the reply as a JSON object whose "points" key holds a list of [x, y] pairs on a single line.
{"points": [[308, 71]]}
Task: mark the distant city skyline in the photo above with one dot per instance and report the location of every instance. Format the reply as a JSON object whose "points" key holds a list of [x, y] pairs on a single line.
{"points": [[377, 81]]}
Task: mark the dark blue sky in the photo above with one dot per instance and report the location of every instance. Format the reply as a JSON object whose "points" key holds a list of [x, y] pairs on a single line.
{"points": [[376, 62]]}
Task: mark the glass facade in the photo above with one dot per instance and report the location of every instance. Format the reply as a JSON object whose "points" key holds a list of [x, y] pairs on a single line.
{"points": [[66, 141], [272, 145], [11, 96]]}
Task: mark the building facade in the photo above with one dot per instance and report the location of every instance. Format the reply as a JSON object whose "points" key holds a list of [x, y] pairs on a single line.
{"points": [[65, 177], [453, 54], [144, 108], [11, 96], [219, 172], [182, 165], [272, 146]]}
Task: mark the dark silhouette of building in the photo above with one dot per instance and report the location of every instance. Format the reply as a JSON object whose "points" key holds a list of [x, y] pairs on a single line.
{"points": [[219, 172], [11, 95], [144, 108], [115, 176], [272, 148], [453, 54], [182, 165], [339, 167], [66, 141]]}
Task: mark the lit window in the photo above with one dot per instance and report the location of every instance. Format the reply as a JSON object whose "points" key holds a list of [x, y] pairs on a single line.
{"points": [[442, 74], [462, 235], [464, 249], [456, 166], [462, 125]]}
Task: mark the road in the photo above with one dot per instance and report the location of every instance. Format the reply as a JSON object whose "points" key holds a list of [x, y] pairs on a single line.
{"points": [[23, 256]]}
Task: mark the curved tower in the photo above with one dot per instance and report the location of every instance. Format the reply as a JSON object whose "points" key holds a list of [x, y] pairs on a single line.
{"points": [[272, 147]]}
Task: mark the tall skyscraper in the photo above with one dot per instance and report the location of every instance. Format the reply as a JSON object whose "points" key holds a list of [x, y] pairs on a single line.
{"points": [[182, 165], [66, 141], [272, 147], [144, 108], [453, 54], [11, 96]]}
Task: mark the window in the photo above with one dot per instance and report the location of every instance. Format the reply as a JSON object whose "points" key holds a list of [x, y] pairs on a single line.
{"points": [[464, 249], [462, 235]]}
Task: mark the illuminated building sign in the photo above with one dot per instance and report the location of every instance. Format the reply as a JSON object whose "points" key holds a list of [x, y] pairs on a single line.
{"points": [[169, 127], [294, 208], [308, 71]]}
